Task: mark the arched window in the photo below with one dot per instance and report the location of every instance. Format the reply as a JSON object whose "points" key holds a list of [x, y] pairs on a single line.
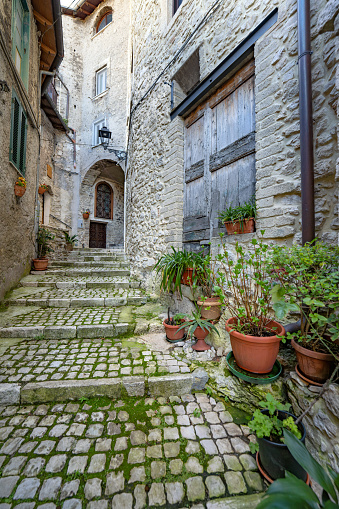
{"points": [[104, 21], [104, 201]]}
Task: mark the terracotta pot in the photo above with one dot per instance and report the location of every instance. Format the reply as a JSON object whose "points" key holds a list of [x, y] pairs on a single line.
{"points": [[19, 190], [247, 226], [85, 215], [41, 190], [172, 331], [316, 366], [40, 263], [210, 308], [201, 345], [252, 353], [69, 246], [187, 277]]}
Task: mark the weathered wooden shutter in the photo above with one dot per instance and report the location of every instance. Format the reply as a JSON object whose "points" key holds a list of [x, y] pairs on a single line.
{"points": [[219, 156], [18, 136]]}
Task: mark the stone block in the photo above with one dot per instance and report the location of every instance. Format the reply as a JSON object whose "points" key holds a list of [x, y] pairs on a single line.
{"points": [[170, 385], [134, 385], [121, 328], [95, 331], [60, 332], [9, 394], [200, 379], [241, 502], [115, 301], [21, 332], [90, 302], [59, 303]]}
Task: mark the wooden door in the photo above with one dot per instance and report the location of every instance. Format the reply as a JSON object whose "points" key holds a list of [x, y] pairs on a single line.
{"points": [[219, 156], [97, 235]]}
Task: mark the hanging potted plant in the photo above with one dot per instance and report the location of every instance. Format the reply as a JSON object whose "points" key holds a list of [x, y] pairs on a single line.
{"points": [[44, 237], [199, 328], [243, 287], [172, 326], [239, 219], [20, 187], [86, 214], [70, 241], [268, 425], [309, 284], [42, 188]]}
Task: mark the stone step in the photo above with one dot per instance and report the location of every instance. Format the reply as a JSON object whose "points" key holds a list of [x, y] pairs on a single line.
{"points": [[89, 251], [67, 331], [93, 271], [74, 283], [75, 264], [96, 257]]}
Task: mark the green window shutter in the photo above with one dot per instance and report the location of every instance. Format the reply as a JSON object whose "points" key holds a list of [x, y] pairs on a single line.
{"points": [[23, 136], [17, 154], [20, 38]]}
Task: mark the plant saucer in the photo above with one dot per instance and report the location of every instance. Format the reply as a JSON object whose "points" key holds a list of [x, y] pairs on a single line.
{"points": [[308, 380], [254, 378]]}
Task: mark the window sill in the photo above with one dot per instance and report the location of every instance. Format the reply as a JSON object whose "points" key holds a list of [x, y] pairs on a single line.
{"points": [[99, 96], [101, 31], [16, 169]]}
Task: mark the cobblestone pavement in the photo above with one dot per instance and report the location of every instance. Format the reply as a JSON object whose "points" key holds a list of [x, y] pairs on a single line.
{"points": [[79, 281], [177, 452], [38, 361], [66, 316]]}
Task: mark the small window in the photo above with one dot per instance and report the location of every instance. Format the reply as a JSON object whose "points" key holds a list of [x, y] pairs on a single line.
{"points": [[96, 128], [17, 154], [176, 5], [20, 38], [104, 201], [100, 81], [105, 20]]}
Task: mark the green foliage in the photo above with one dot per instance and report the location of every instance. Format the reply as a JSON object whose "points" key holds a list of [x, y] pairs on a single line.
{"points": [[197, 413], [293, 493], [307, 281], [70, 240], [196, 321], [270, 426], [239, 213], [44, 237]]}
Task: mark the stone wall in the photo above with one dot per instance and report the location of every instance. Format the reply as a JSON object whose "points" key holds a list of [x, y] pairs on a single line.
{"points": [[17, 237], [155, 168]]}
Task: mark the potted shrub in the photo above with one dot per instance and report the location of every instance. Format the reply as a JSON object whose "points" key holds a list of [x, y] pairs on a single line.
{"points": [[209, 303], [309, 285], [44, 237], [243, 287], [70, 241], [172, 326], [239, 219], [268, 425], [199, 328], [20, 187], [42, 188], [86, 214], [292, 493]]}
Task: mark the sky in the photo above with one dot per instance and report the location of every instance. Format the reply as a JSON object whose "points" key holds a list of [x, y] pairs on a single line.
{"points": [[68, 3]]}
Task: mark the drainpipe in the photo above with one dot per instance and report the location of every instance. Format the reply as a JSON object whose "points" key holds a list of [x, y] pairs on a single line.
{"points": [[306, 121]]}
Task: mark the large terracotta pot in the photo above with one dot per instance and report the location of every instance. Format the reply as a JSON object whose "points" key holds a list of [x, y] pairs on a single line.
{"points": [[200, 345], [210, 308], [187, 277], [40, 263], [247, 226], [252, 353], [85, 215], [314, 365], [172, 331], [19, 190]]}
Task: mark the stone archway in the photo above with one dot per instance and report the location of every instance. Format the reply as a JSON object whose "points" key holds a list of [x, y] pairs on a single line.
{"points": [[102, 230]]}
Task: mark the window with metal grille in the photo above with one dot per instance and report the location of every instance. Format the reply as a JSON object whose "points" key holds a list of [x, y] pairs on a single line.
{"points": [[20, 38], [104, 201], [17, 153]]}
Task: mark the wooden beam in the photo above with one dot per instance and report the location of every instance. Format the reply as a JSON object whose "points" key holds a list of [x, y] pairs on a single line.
{"points": [[90, 4], [47, 49], [39, 17], [44, 64], [85, 10]]}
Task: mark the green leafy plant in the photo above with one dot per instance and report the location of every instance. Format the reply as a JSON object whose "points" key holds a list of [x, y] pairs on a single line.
{"points": [[307, 282], [44, 237], [239, 213], [293, 493], [70, 240], [176, 319], [243, 286], [21, 182], [196, 321], [197, 413], [270, 426], [44, 186]]}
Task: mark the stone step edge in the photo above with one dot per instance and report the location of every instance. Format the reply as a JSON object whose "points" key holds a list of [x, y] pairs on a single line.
{"points": [[91, 271], [129, 386], [68, 331], [238, 502], [79, 302], [62, 285]]}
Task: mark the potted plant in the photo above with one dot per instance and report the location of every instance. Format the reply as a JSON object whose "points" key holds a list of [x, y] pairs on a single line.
{"points": [[86, 214], [239, 219], [292, 493], [268, 425], [70, 241], [309, 285], [243, 287], [20, 186], [42, 188], [172, 326], [199, 328], [209, 303], [44, 237]]}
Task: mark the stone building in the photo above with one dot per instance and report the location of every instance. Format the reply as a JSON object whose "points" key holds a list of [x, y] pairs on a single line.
{"points": [[31, 49]]}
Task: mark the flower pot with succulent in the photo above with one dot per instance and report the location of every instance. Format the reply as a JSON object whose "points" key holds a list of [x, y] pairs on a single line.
{"points": [[44, 238], [268, 425], [243, 287], [240, 218], [199, 328], [172, 326], [20, 187], [70, 241], [42, 189], [309, 286], [86, 214]]}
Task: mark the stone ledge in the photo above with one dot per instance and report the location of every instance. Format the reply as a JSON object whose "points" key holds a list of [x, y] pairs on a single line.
{"points": [[240, 502], [9, 394], [170, 385]]}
